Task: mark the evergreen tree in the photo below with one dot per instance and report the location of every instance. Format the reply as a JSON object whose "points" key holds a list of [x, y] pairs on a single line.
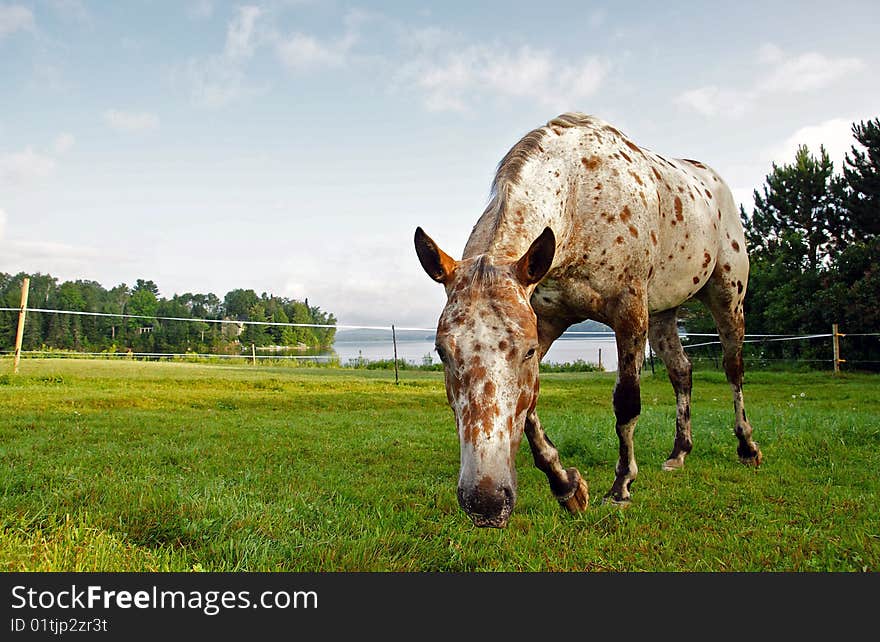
{"points": [[799, 218], [238, 303], [256, 333], [277, 331], [862, 174]]}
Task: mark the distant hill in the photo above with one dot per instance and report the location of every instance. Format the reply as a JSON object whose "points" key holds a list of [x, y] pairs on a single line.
{"points": [[589, 326]]}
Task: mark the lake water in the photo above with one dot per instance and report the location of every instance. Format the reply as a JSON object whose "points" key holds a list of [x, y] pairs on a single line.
{"points": [[564, 350]]}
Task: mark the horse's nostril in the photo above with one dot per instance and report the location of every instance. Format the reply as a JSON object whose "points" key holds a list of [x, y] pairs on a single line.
{"points": [[488, 504]]}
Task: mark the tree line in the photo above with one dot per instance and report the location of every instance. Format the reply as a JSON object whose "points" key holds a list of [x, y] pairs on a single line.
{"points": [[152, 334], [813, 237]]}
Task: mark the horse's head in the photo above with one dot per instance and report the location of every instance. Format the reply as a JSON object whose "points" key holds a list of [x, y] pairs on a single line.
{"points": [[487, 338]]}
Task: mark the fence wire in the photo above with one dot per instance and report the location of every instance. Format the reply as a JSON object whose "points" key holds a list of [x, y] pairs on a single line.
{"points": [[391, 329]]}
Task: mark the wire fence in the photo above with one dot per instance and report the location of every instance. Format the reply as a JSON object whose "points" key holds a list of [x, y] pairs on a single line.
{"points": [[392, 330]]}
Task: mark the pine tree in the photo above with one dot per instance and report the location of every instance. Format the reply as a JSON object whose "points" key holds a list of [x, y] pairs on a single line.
{"points": [[862, 173], [799, 218]]}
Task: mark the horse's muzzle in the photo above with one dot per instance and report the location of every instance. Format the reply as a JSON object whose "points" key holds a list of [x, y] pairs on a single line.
{"points": [[488, 505]]}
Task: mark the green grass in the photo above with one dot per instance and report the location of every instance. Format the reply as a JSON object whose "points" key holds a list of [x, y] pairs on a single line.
{"points": [[108, 466]]}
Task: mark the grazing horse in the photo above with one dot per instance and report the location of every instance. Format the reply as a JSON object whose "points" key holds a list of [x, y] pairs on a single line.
{"points": [[582, 224]]}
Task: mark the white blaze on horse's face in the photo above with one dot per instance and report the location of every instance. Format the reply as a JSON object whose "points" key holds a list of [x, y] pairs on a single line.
{"points": [[487, 338]]}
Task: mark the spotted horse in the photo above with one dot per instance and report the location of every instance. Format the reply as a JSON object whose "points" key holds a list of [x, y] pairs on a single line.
{"points": [[582, 223]]}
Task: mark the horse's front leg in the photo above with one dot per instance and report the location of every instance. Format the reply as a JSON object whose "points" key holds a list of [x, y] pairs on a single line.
{"points": [[631, 332], [567, 484]]}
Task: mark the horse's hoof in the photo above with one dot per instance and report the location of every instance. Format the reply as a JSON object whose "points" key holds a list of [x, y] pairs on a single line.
{"points": [[617, 500], [673, 464], [577, 499], [754, 459]]}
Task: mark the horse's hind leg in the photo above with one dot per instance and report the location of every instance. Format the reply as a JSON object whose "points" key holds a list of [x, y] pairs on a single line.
{"points": [[663, 334], [567, 484], [724, 298]]}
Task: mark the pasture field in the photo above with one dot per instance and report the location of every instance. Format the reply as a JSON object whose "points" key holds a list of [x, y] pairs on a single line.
{"points": [[109, 466]]}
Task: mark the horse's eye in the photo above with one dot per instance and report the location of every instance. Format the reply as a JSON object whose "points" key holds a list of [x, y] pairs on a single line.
{"points": [[529, 354]]}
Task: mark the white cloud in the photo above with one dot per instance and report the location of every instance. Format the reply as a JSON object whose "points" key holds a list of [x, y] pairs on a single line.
{"points": [[64, 143], [130, 121], [353, 282], [455, 77], [74, 9], [300, 51], [807, 72], [241, 33], [201, 9], [53, 258], [782, 74], [712, 101], [214, 81], [15, 18], [835, 134], [25, 167]]}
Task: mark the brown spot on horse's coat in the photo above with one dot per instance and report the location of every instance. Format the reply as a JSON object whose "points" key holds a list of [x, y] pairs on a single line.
{"points": [[637, 177], [653, 237], [696, 280], [633, 231], [627, 158], [678, 208], [727, 267], [592, 163], [694, 163], [619, 240], [625, 215], [598, 186], [502, 345], [739, 287], [613, 130], [708, 193], [735, 246], [656, 174], [650, 271], [707, 258]]}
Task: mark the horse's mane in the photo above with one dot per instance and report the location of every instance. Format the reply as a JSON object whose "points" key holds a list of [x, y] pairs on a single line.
{"points": [[508, 171]]}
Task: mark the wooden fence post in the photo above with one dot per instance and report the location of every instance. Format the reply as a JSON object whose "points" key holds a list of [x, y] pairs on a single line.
{"points": [[835, 339], [19, 334], [253, 354], [394, 341], [600, 358]]}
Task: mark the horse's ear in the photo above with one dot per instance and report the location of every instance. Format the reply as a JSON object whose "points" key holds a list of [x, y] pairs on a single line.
{"points": [[435, 261], [537, 260]]}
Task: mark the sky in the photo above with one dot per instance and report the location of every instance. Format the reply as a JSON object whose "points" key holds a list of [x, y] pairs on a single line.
{"points": [[293, 146]]}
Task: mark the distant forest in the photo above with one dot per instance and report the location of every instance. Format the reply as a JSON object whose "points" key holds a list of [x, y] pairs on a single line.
{"points": [[118, 334]]}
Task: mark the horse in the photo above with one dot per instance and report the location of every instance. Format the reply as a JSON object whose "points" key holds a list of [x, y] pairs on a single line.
{"points": [[582, 223]]}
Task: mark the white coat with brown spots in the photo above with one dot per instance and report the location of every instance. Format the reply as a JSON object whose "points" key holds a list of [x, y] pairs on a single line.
{"points": [[583, 224]]}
